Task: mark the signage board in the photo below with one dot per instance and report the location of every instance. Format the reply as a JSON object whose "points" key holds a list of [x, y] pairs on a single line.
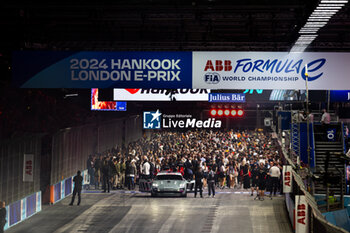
{"points": [[227, 97], [172, 70], [270, 70], [331, 134], [301, 214], [159, 120], [28, 168], [287, 179], [121, 106], [138, 94], [340, 96], [97, 105], [41, 69]]}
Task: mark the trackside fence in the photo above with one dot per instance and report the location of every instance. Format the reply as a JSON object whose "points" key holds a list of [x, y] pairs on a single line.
{"points": [[304, 215]]}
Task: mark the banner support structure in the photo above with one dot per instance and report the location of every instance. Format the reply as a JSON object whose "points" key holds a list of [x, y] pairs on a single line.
{"points": [[308, 130]]}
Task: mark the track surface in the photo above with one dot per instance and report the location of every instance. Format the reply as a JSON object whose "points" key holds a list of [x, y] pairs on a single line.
{"points": [[137, 212]]}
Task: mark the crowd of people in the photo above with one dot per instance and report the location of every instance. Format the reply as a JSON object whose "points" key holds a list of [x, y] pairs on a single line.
{"points": [[238, 159]]}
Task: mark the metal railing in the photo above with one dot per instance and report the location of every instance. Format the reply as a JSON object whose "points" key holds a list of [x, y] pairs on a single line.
{"points": [[317, 223]]}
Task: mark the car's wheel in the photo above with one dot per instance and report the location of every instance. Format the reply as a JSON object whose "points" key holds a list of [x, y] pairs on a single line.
{"points": [[184, 195], [153, 194]]}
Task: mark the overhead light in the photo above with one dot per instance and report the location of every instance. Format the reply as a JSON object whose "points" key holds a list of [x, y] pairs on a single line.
{"points": [[317, 20], [70, 95], [327, 1], [309, 29], [323, 12], [326, 10], [315, 23], [328, 5], [320, 17]]}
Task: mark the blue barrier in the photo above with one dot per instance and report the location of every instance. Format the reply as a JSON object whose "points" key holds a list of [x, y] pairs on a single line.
{"points": [[65, 187], [20, 210], [291, 209], [30, 205]]}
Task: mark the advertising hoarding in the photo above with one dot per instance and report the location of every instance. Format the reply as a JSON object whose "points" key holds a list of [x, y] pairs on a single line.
{"points": [[172, 70], [270, 70]]}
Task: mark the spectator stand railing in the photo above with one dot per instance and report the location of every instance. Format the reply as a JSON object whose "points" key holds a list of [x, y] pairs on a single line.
{"points": [[316, 221]]}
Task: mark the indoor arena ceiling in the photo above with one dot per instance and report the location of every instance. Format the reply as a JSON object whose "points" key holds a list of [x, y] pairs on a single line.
{"points": [[249, 25]]}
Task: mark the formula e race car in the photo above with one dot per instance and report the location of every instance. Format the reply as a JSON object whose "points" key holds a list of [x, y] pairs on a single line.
{"points": [[167, 184]]}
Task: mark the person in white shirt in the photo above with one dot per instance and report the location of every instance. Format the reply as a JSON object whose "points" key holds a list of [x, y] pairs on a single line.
{"points": [[301, 116], [326, 117], [311, 117], [325, 120], [275, 174], [146, 167]]}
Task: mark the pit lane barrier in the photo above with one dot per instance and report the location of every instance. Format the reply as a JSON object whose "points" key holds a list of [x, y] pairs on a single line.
{"points": [[65, 187], [315, 221], [23, 209]]}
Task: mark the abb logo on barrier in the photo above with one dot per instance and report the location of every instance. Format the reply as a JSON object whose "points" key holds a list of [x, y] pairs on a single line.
{"points": [[301, 213], [29, 167], [287, 179]]}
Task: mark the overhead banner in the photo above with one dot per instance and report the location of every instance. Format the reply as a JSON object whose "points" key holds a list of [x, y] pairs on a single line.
{"points": [[28, 168], [301, 215], [33, 69], [172, 70], [287, 179], [270, 70], [160, 94]]}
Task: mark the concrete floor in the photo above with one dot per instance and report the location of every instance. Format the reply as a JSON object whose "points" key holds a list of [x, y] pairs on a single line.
{"points": [[138, 212]]}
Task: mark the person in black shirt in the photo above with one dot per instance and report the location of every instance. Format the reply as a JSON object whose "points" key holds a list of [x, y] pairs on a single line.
{"points": [[2, 216], [97, 167], [262, 181], [255, 178], [246, 178], [211, 182], [199, 183], [78, 184], [215, 169], [112, 171], [106, 176], [188, 170]]}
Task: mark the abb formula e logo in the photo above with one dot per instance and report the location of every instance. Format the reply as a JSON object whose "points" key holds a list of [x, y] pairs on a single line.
{"points": [[247, 67]]}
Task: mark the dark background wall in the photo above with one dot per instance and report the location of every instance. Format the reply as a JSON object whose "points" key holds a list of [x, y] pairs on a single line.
{"points": [[12, 152]]}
